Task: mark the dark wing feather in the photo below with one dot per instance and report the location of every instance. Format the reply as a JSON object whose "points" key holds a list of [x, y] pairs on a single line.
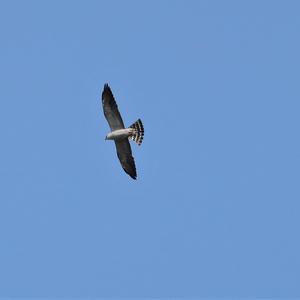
{"points": [[110, 109], [125, 156]]}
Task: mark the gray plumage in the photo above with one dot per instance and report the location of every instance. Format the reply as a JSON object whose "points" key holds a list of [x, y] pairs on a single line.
{"points": [[119, 133]]}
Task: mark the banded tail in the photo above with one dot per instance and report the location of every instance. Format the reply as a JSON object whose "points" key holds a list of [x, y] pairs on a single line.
{"points": [[138, 133]]}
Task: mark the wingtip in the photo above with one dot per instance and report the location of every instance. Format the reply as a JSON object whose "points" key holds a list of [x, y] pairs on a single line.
{"points": [[133, 176], [106, 91]]}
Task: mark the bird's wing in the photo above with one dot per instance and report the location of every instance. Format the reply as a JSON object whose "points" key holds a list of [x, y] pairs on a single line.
{"points": [[110, 109], [125, 156]]}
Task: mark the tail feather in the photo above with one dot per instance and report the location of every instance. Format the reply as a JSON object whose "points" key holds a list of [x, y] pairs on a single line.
{"points": [[138, 133]]}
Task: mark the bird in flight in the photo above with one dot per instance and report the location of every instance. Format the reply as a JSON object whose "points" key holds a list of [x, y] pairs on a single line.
{"points": [[119, 133]]}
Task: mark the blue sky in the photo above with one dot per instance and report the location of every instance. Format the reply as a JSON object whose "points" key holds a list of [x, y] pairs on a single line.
{"points": [[215, 209]]}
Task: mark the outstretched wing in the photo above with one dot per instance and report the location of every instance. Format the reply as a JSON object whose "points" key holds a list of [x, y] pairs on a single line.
{"points": [[125, 156], [110, 109]]}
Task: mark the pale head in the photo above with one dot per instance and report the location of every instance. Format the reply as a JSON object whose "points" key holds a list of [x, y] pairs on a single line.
{"points": [[109, 136]]}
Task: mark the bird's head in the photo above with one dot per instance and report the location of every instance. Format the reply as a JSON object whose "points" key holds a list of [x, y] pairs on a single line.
{"points": [[106, 138]]}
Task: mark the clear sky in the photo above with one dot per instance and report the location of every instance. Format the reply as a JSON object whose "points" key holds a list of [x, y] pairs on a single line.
{"points": [[215, 209]]}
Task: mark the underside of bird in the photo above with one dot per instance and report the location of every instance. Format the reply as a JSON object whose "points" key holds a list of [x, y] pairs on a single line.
{"points": [[135, 132], [120, 134]]}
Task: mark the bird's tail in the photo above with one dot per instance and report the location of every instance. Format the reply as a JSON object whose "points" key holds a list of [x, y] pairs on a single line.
{"points": [[138, 133]]}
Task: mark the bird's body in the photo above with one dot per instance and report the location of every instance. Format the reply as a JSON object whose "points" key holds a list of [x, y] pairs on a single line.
{"points": [[119, 133]]}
